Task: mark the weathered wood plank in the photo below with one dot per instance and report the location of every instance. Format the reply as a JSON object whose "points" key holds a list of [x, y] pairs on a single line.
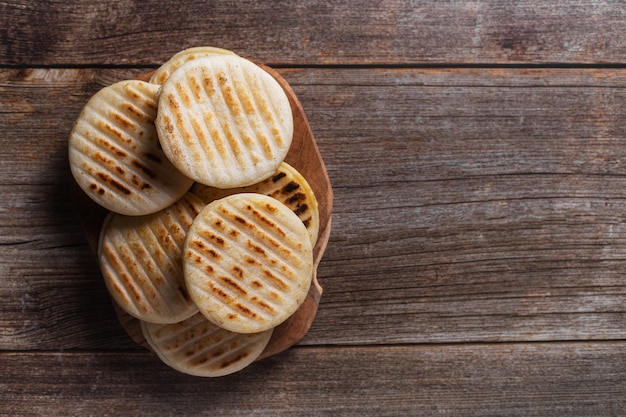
{"points": [[316, 32], [469, 206], [575, 379]]}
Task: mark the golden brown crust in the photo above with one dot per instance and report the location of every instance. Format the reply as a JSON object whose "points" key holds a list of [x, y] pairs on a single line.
{"points": [[141, 261], [247, 262], [223, 121], [114, 152], [286, 185], [198, 347]]}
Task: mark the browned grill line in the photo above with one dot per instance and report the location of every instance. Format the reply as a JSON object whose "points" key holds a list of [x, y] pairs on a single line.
{"points": [[130, 119], [247, 93], [115, 238], [204, 351], [226, 290], [111, 189], [259, 100], [170, 262], [254, 237], [149, 283], [248, 289], [202, 130], [234, 144], [149, 112], [183, 116], [229, 352], [200, 323], [284, 244], [219, 141]]}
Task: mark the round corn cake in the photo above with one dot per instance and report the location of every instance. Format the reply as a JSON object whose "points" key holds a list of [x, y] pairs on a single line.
{"points": [[141, 261], [178, 59], [247, 262], [114, 152], [286, 185], [198, 347], [223, 121]]}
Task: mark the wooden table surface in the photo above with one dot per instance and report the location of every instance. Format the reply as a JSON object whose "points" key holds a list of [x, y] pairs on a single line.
{"points": [[477, 260]]}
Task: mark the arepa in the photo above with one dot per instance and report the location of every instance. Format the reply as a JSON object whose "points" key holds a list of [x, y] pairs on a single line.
{"points": [[198, 347], [114, 152], [178, 59], [141, 261], [286, 185], [247, 262], [224, 121]]}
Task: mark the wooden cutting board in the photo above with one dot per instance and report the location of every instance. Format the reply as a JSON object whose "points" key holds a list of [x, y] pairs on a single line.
{"points": [[303, 155]]}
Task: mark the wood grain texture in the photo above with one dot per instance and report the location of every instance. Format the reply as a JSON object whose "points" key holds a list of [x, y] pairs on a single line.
{"points": [[477, 152], [470, 380], [316, 32], [479, 206]]}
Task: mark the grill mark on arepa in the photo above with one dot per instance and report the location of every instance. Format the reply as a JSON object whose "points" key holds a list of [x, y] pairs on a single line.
{"points": [[122, 270], [103, 122], [231, 356], [215, 134], [228, 289], [255, 249], [202, 127], [289, 188], [225, 99], [143, 168], [208, 355], [166, 267], [136, 112], [140, 105], [206, 246], [181, 122], [177, 337], [275, 235], [105, 176], [88, 148], [113, 182], [272, 119], [260, 237], [109, 138], [112, 265], [119, 181], [147, 271], [273, 226], [260, 101], [192, 132], [110, 147], [91, 158], [277, 177], [144, 105], [158, 231], [131, 265], [200, 345], [245, 99], [286, 190], [245, 131]]}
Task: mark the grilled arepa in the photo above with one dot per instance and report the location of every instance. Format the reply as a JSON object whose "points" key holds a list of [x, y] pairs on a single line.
{"points": [[247, 262], [141, 261], [198, 347], [286, 185], [114, 152], [160, 75], [223, 121]]}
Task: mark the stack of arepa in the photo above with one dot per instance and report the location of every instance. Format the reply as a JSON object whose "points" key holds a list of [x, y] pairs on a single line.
{"points": [[209, 236]]}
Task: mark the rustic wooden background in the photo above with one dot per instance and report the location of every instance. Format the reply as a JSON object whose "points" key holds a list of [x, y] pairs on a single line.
{"points": [[477, 262]]}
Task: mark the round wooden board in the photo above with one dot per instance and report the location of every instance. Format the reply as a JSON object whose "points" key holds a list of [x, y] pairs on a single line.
{"points": [[305, 157]]}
